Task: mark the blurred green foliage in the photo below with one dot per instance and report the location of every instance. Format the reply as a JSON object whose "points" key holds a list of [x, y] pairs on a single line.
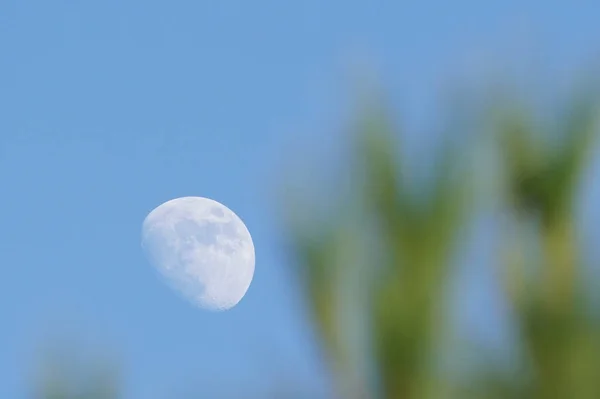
{"points": [[542, 164], [65, 375]]}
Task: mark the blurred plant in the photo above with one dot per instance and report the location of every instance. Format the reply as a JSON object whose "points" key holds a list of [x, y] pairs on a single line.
{"points": [[415, 237], [65, 377], [560, 337]]}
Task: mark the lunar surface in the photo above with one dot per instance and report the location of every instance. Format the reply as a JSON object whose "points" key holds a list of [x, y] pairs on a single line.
{"points": [[202, 249]]}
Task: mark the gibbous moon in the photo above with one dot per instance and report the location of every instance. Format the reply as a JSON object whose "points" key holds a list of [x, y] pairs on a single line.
{"points": [[203, 250]]}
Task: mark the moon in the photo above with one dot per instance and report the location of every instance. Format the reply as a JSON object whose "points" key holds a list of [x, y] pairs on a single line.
{"points": [[202, 249]]}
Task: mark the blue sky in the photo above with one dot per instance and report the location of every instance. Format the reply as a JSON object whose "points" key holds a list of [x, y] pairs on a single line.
{"points": [[110, 108]]}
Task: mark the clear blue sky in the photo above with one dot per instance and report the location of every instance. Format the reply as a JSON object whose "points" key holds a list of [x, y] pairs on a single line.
{"points": [[110, 108]]}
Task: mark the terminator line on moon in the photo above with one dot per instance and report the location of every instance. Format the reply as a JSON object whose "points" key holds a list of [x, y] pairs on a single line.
{"points": [[202, 249]]}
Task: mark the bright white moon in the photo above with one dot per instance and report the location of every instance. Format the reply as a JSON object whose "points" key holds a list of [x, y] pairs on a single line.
{"points": [[203, 249]]}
